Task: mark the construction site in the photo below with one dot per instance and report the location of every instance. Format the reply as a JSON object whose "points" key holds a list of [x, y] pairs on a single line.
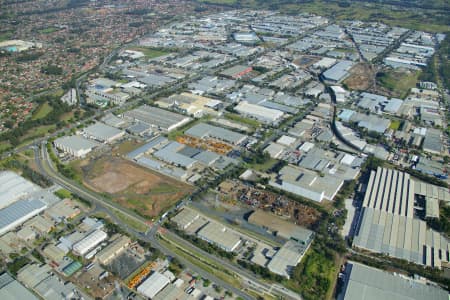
{"points": [[131, 185]]}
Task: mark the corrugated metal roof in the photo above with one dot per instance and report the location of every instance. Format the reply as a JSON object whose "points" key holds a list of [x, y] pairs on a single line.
{"points": [[367, 283]]}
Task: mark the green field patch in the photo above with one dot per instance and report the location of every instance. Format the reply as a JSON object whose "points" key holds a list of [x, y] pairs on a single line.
{"points": [[48, 30], [133, 223], [4, 36], [395, 124], [42, 111], [399, 83], [240, 119]]}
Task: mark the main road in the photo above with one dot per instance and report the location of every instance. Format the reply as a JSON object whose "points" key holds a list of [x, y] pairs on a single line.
{"points": [[102, 204]]}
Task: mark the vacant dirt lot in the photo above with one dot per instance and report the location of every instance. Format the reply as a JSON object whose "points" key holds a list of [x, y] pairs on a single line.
{"points": [[132, 186], [362, 77]]}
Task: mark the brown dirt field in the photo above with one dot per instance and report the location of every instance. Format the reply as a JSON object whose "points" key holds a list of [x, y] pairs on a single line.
{"points": [[132, 186], [362, 77]]}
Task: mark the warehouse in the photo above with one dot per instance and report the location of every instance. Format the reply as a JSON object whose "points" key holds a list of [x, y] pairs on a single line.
{"points": [[14, 187], [306, 183], [338, 72], [89, 242], [388, 223], [19, 212], [75, 145], [153, 285], [185, 218], [191, 104], [432, 142], [365, 283], [236, 71], [103, 133], [12, 289], [113, 250], [220, 235], [287, 258], [260, 113], [159, 118], [204, 131], [170, 154]]}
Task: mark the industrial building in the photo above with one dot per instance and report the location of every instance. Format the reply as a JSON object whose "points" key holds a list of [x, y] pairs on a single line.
{"points": [[89, 242], [75, 145], [221, 236], [366, 283], [19, 212], [390, 222], [103, 133], [14, 187], [158, 118], [287, 258], [153, 285], [185, 218], [205, 131], [47, 285], [260, 113], [237, 71], [306, 183], [432, 141], [11, 289], [191, 104], [338, 72], [106, 255]]}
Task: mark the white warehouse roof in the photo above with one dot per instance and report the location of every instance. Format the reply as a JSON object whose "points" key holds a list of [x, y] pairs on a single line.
{"points": [[93, 239], [103, 132], [19, 212], [261, 113], [13, 187], [153, 285]]}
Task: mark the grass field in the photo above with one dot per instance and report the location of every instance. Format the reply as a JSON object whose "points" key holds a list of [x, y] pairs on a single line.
{"points": [[138, 226], [395, 125], [243, 120], [48, 30], [5, 36], [37, 132], [4, 146], [132, 186], [42, 111], [398, 83], [150, 52]]}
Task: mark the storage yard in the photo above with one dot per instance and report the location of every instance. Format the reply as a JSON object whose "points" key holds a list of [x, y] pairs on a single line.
{"points": [[133, 186]]}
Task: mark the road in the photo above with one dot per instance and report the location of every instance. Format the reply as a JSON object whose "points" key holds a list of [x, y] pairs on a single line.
{"points": [[45, 167]]}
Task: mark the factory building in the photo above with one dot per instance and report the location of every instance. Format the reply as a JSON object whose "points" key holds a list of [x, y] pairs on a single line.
{"points": [[185, 218], [153, 285], [106, 255], [220, 235], [14, 187], [19, 212], [205, 131], [260, 113], [338, 72], [156, 117], [75, 145], [306, 183], [12, 289], [390, 220], [364, 283], [103, 133], [83, 246], [237, 71]]}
